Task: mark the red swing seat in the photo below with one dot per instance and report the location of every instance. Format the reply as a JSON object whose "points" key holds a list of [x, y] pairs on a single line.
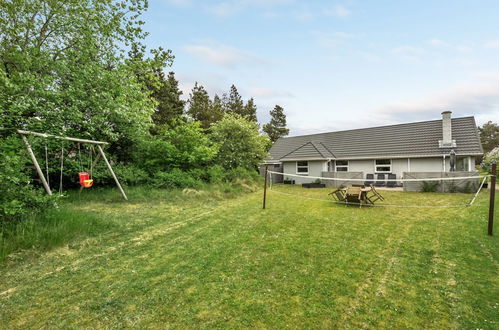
{"points": [[85, 180]]}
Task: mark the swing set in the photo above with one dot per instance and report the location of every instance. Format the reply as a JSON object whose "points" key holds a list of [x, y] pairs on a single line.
{"points": [[85, 178]]}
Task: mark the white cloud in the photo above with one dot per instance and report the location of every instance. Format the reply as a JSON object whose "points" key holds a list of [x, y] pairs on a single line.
{"points": [[480, 97], [230, 8], [338, 11], [180, 3], [464, 48], [492, 44], [437, 42], [268, 93], [408, 50], [224, 55]]}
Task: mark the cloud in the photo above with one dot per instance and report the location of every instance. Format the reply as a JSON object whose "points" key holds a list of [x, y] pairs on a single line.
{"points": [[180, 3], [338, 11], [268, 93], [480, 97], [230, 8], [437, 42], [224, 55], [492, 44], [331, 39]]}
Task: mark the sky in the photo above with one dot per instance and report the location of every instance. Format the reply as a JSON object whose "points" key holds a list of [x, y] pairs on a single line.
{"points": [[336, 65]]}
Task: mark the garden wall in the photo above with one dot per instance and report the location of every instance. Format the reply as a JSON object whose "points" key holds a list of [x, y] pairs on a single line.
{"points": [[463, 185], [342, 175]]}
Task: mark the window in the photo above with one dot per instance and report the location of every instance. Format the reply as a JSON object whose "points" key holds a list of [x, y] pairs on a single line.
{"points": [[462, 164], [302, 167], [383, 165], [342, 166]]}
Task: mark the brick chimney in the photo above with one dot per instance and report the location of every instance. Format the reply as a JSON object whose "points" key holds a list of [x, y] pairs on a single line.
{"points": [[447, 141]]}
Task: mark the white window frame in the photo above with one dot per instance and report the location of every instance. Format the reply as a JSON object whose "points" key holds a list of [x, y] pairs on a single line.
{"points": [[336, 166], [382, 165], [302, 166]]}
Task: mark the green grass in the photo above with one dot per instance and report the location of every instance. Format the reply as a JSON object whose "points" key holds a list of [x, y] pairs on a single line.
{"points": [[168, 259]]}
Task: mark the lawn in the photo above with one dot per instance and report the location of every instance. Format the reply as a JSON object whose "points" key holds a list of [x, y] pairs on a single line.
{"points": [[205, 260]]}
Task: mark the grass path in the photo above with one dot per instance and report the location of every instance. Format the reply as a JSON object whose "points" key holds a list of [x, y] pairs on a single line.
{"points": [[300, 263]]}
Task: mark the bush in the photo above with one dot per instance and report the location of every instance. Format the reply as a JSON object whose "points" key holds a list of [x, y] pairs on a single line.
{"points": [[487, 160], [215, 174], [175, 179], [18, 197], [130, 174], [242, 174], [429, 186]]}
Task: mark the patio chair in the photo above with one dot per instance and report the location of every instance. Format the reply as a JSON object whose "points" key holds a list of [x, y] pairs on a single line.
{"points": [[380, 180], [338, 194], [369, 180], [391, 184], [373, 195]]}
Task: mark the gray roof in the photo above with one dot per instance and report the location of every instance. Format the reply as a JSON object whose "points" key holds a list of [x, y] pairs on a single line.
{"points": [[419, 139]]}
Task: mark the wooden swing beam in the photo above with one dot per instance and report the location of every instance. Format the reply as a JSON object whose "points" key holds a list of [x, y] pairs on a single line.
{"points": [[99, 144]]}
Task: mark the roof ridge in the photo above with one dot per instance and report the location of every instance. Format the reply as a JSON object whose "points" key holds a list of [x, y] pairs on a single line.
{"points": [[372, 127]]}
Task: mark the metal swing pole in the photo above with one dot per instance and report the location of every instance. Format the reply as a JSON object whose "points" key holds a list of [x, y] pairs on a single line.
{"points": [[37, 166], [112, 172]]}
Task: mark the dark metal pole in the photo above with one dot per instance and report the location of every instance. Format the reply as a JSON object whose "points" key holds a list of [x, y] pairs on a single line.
{"points": [[265, 186], [492, 198]]}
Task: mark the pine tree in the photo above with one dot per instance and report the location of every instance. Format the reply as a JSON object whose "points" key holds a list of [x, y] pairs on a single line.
{"points": [[276, 128], [217, 109], [170, 106], [235, 102], [200, 106], [250, 110]]}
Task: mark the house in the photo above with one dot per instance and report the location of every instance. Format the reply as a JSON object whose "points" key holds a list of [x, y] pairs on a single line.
{"points": [[419, 147]]}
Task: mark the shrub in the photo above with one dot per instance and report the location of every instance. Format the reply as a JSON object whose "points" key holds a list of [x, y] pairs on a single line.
{"points": [[215, 174], [131, 175], [429, 186], [175, 179], [18, 197], [241, 173]]}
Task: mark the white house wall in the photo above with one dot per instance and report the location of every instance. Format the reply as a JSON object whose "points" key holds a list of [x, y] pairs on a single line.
{"points": [[315, 168]]}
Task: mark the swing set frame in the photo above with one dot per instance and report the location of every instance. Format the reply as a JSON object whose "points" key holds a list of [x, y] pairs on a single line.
{"points": [[101, 153]]}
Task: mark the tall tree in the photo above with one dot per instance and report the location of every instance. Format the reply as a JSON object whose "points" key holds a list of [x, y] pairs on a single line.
{"points": [[217, 109], [240, 143], [234, 102], [249, 110], [489, 136], [276, 128], [170, 106], [200, 106]]}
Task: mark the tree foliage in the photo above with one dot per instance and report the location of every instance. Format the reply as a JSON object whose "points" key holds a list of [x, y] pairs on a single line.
{"points": [[489, 136], [234, 103], [200, 106], [240, 144], [276, 128], [250, 110]]}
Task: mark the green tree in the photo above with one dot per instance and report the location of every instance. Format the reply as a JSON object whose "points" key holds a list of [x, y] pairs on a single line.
{"points": [[217, 109], [234, 102], [276, 128], [250, 110], [184, 146], [170, 106], [489, 136], [240, 144], [200, 106], [63, 69]]}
